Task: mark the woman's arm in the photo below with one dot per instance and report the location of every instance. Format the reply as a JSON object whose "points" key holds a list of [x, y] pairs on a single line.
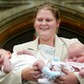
{"points": [[10, 78], [29, 74]]}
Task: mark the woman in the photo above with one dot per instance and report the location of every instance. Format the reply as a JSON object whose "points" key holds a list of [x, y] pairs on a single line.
{"points": [[47, 21]]}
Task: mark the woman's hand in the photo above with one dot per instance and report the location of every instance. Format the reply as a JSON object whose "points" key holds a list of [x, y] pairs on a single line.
{"points": [[69, 78], [31, 73], [40, 64]]}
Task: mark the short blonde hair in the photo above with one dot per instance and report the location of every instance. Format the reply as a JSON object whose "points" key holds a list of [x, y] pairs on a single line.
{"points": [[50, 7]]}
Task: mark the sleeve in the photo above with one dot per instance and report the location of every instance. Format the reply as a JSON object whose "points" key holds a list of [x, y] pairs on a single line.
{"points": [[81, 80], [10, 78]]}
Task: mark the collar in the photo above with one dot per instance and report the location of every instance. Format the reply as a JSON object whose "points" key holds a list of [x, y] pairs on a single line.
{"points": [[59, 45]]}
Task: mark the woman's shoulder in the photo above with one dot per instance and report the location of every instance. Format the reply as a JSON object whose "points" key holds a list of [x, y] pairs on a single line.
{"points": [[68, 41], [25, 45]]}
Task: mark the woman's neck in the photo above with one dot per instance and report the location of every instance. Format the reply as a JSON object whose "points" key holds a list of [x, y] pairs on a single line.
{"points": [[47, 42]]}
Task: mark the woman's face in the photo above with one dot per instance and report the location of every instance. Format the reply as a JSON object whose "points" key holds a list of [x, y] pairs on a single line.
{"points": [[46, 24]]}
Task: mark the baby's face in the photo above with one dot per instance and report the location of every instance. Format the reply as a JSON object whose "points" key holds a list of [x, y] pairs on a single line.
{"points": [[3, 54], [76, 56]]}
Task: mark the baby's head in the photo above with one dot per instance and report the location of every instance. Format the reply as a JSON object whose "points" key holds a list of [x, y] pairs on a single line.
{"points": [[3, 54], [76, 52]]}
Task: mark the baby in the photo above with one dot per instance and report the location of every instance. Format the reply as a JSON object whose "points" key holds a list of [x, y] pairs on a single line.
{"points": [[15, 61], [76, 54]]}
